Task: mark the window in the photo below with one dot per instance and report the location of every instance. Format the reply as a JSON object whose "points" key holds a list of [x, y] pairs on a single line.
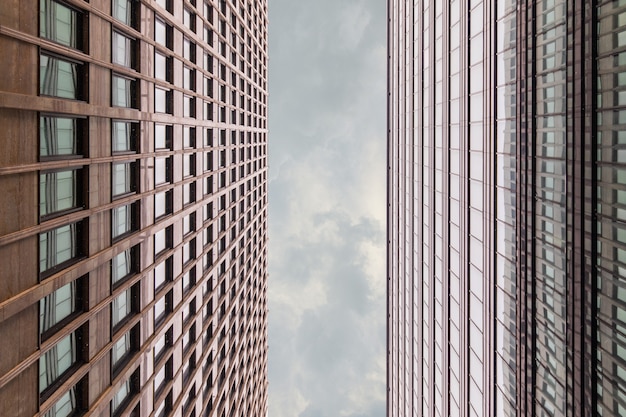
{"points": [[162, 240], [162, 273], [189, 251], [120, 396], [163, 342], [124, 136], [122, 91], [58, 247], [162, 204], [123, 178], [122, 265], [189, 164], [163, 33], [189, 193], [189, 106], [121, 221], [58, 191], [163, 67], [162, 100], [189, 78], [189, 223], [189, 50], [162, 170], [59, 136], [123, 50], [162, 137], [189, 137], [57, 306], [162, 307], [162, 376], [122, 347], [189, 279], [57, 361], [60, 78], [121, 307], [66, 406], [60, 23], [189, 20], [124, 11]]}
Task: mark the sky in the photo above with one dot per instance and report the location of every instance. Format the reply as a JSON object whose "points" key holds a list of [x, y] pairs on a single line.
{"points": [[327, 155]]}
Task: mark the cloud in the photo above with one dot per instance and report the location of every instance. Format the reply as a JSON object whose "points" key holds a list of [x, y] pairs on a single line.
{"points": [[327, 208]]}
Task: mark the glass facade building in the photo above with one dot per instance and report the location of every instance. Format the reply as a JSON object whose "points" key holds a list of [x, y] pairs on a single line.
{"points": [[133, 216], [506, 247]]}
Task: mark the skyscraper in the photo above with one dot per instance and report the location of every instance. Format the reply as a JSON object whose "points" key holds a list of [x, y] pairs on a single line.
{"points": [[133, 208], [507, 185]]}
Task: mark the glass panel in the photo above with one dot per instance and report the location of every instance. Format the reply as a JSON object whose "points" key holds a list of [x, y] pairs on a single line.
{"points": [[59, 23], [120, 307], [66, 406], [121, 179], [122, 90], [121, 221], [120, 396], [57, 246], [121, 266], [120, 349], [58, 78], [57, 136], [57, 191], [122, 136], [57, 306], [122, 11], [56, 361], [121, 50]]}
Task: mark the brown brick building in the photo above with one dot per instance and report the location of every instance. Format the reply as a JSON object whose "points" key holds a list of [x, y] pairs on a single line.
{"points": [[133, 208]]}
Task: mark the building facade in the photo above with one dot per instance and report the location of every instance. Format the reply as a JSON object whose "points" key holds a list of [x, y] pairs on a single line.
{"points": [[506, 225], [133, 208]]}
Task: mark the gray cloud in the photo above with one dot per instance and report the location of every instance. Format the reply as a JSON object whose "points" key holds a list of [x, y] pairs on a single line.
{"points": [[327, 208]]}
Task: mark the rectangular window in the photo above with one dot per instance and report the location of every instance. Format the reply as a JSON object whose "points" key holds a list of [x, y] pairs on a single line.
{"points": [[123, 50], [121, 307], [122, 221], [189, 50], [163, 33], [122, 265], [124, 11], [66, 406], [59, 136], [162, 204], [124, 136], [120, 397], [189, 137], [189, 193], [162, 100], [163, 342], [57, 247], [57, 306], [162, 170], [60, 23], [189, 223], [189, 279], [162, 241], [60, 78], [163, 67], [162, 273], [59, 191], [189, 106], [120, 349], [189, 164], [162, 137], [57, 361], [123, 178], [189, 78], [123, 93]]}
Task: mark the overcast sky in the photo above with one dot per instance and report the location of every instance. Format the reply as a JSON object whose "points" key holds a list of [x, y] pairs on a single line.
{"points": [[327, 115]]}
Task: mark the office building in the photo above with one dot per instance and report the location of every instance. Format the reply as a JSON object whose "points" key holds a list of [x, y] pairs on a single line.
{"points": [[133, 208], [506, 216]]}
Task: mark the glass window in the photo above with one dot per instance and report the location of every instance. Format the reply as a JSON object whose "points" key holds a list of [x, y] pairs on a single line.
{"points": [[189, 50], [123, 11], [121, 307], [162, 33], [59, 78], [122, 50], [122, 91], [189, 106], [66, 406], [162, 204], [161, 275], [57, 306], [188, 78], [59, 23], [121, 266], [58, 191], [120, 349], [58, 136], [123, 136], [162, 136], [163, 67], [56, 361], [121, 220], [162, 170], [119, 397], [58, 246], [122, 178], [159, 309], [162, 100], [162, 240]]}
